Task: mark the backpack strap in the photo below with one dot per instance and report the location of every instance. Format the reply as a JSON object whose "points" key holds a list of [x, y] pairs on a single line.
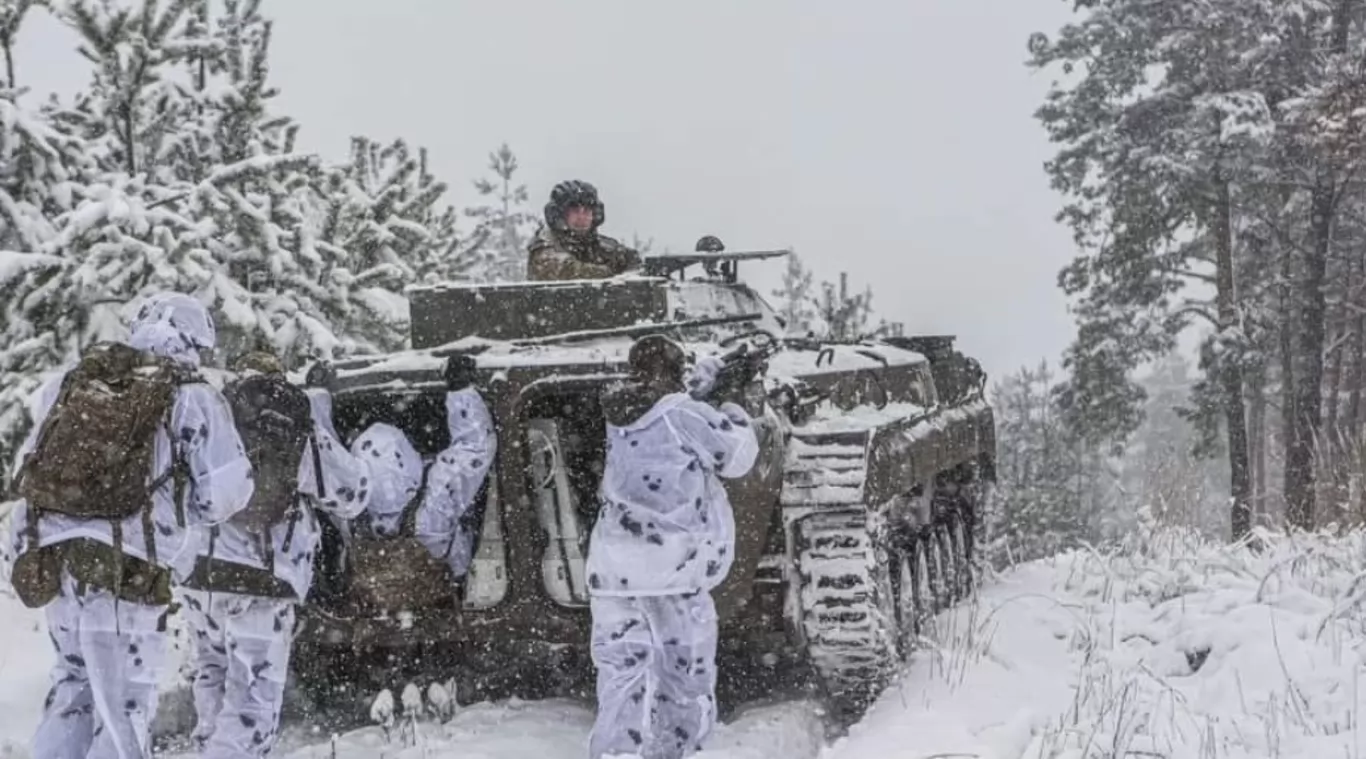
{"points": [[31, 528], [407, 526], [298, 497], [317, 467], [116, 531]]}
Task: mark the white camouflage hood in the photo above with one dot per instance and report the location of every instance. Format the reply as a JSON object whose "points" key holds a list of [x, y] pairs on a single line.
{"points": [[173, 325]]}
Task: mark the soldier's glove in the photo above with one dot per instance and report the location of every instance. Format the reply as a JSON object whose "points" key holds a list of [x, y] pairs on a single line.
{"points": [[702, 379], [322, 374], [730, 385], [459, 372]]}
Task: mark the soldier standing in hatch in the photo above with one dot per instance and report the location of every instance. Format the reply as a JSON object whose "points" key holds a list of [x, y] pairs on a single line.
{"points": [[569, 245]]}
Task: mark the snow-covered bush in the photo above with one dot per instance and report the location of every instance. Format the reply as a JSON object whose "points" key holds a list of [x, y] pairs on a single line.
{"points": [[1202, 649]]}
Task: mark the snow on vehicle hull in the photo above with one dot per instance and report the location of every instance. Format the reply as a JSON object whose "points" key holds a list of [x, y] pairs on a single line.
{"points": [[859, 506]]}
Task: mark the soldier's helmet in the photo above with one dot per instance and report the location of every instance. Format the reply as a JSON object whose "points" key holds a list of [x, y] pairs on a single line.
{"points": [[574, 192], [655, 357]]}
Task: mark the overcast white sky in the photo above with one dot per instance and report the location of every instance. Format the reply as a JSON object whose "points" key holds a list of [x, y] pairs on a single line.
{"points": [[889, 138]]}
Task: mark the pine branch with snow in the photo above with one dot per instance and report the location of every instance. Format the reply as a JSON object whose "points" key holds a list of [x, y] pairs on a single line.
{"points": [[380, 213]]}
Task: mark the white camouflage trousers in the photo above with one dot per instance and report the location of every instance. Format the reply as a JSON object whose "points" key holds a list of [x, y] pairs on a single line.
{"points": [[656, 675], [104, 684], [241, 659]]}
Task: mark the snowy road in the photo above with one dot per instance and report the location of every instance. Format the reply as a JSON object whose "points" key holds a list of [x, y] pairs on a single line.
{"points": [[1183, 650], [926, 714], [981, 695], [555, 729]]}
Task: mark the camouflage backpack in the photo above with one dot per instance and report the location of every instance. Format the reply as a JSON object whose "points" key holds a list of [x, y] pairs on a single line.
{"points": [[94, 453], [381, 564], [275, 421]]}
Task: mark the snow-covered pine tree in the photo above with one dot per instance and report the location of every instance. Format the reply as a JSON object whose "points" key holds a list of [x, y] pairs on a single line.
{"points": [[505, 225], [126, 234], [1164, 139], [134, 110], [381, 212], [170, 171], [846, 317], [317, 258], [795, 303], [1038, 508], [94, 234], [42, 166], [178, 113], [270, 288]]}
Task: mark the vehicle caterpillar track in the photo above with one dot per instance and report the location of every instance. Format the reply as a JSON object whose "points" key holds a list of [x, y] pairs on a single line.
{"points": [[870, 575]]}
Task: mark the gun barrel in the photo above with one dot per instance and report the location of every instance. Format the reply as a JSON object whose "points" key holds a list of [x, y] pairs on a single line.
{"points": [[673, 262]]}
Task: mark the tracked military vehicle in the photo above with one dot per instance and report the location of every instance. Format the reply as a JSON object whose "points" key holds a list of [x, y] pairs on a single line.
{"points": [[853, 527]]}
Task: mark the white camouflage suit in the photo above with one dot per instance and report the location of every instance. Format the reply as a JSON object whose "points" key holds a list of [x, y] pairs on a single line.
{"points": [[664, 539], [242, 642], [109, 655], [453, 479]]}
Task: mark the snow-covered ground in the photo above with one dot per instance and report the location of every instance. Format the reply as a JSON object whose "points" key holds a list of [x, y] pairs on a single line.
{"points": [[1172, 648]]}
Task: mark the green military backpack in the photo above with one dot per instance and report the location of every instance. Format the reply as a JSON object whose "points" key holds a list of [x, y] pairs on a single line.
{"points": [[93, 459]]}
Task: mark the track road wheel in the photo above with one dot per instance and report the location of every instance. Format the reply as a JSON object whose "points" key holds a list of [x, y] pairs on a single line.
{"points": [[849, 608]]}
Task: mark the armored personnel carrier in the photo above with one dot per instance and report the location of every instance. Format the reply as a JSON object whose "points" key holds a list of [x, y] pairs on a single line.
{"points": [[854, 526]]}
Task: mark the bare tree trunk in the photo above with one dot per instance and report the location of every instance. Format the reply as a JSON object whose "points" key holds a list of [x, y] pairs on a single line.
{"points": [[1330, 446], [1288, 315], [1356, 347], [1256, 414], [7, 36], [1332, 378], [1307, 420], [1231, 372], [9, 61], [1354, 420]]}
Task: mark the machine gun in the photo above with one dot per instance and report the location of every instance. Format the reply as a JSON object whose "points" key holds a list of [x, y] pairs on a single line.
{"points": [[710, 253], [741, 365], [748, 360]]}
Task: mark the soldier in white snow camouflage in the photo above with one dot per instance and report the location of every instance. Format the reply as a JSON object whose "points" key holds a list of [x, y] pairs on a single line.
{"points": [[664, 538], [241, 601], [110, 643], [451, 486]]}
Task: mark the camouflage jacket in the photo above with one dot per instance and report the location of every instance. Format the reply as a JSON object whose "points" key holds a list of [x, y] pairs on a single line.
{"points": [[553, 257]]}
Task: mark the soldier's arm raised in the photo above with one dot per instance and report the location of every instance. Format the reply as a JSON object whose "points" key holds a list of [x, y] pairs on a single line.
{"points": [[461, 468], [220, 476], [345, 483]]}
